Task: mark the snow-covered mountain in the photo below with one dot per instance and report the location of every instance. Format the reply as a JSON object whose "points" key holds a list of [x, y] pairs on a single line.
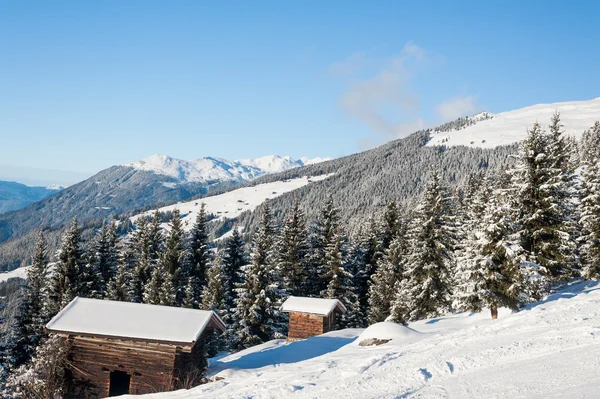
{"points": [[487, 130], [549, 350], [208, 169]]}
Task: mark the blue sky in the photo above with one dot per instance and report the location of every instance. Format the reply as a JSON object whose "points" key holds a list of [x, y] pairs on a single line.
{"points": [[89, 84]]}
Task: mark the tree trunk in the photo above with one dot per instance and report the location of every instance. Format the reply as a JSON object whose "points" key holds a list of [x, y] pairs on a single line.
{"points": [[494, 310]]}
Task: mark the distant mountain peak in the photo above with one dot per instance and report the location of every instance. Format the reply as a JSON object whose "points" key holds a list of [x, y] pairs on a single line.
{"points": [[208, 169]]}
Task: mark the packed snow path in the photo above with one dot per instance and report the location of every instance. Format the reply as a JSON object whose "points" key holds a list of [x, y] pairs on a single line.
{"points": [[550, 350]]}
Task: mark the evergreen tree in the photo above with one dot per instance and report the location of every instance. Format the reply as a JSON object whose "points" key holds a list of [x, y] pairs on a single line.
{"points": [[174, 253], [292, 251], [384, 289], [256, 313], [323, 233], [590, 204], [118, 287], [429, 264], [200, 250], [36, 285], [106, 256], [365, 258], [64, 282], [160, 289], [234, 257], [139, 252], [543, 194], [340, 281], [213, 296], [494, 279]]}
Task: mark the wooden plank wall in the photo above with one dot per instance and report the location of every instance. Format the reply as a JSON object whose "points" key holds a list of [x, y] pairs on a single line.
{"points": [[303, 325], [151, 365]]}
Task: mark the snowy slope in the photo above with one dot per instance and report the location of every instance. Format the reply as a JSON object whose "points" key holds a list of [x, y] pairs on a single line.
{"points": [[550, 350], [206, 170], [511, 127], [231, 204], [21, 272]]}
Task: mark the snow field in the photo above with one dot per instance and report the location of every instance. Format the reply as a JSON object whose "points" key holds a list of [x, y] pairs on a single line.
{"points": [[231, 204], [549, 350], [511, 127]]}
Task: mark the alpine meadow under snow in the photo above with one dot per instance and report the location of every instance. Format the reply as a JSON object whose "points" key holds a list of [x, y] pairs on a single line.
{"points": [[551, 349]]}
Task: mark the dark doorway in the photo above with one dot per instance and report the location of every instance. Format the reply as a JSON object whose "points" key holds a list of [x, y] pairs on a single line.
{"points": [[119, 383]]}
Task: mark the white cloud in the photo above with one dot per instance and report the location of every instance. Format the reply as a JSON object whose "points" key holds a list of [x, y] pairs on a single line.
{"points": [[388, 89], [457, 107]]}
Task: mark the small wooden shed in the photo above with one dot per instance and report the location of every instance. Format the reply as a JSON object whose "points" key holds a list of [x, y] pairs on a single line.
{"points": [[123, 347], [311, 316]]}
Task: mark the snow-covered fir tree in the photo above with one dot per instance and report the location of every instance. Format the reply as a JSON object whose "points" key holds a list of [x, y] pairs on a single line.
{"points": [[159, 290], [174, 255], [494, 278], [232, 260], [339, 280], [383, 286], [256, 315], [590, 204], [199, 256], [64, 281], [292, 252], [544, 199], [322, 235], [118, 288], [428, 271], [106, 256]]}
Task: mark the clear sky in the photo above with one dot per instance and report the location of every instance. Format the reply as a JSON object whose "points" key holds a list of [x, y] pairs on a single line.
{"points": [[89, 84]]}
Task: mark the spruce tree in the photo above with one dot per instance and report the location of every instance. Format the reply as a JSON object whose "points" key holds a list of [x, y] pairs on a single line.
{"points": [[543, 195], [200, 249], [118, 288], [213, 296], [339, 280], [256, 312], [322, 236], [138, 250], [494, 278], [174, 255], [590, 204], [427, 277], [292, 252], [36, 285], [234, 257], [64, 281], [160, 289], [383, 287]]}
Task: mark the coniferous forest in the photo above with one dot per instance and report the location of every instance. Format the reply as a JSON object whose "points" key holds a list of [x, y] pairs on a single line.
{"points": [[502, 239]]}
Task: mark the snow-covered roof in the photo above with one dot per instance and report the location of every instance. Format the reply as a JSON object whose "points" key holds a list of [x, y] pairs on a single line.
{"points": [[318, 306], [133, 320]]}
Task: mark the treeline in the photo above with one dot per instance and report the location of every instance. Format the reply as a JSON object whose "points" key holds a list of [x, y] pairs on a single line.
{"points": [[503, 239]]}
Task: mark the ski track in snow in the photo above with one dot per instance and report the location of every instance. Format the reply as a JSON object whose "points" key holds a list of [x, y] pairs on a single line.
{"points": [[232, 203], [511, 127], [549, 350]]}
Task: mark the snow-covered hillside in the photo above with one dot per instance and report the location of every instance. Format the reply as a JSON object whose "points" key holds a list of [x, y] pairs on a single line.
{"points": [[21, 272], [207, 170], [511, 127], [549, 350], [231, 204]]}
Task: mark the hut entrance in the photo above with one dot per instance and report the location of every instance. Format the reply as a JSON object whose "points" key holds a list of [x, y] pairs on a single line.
{"points": [[119, 383]]}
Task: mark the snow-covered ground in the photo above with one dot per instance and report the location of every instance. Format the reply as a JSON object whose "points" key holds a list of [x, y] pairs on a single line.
{"points": [[511, 127], [549, 350], [231, 204], [21, 272], [206, 170]]}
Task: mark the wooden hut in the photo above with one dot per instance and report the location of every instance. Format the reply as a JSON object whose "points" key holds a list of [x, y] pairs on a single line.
{"points": [[121, 347], [311, 316]]}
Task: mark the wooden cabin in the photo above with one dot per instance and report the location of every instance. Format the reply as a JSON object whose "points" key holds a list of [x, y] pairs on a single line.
{"points": [[118, 348], [311, 316]]}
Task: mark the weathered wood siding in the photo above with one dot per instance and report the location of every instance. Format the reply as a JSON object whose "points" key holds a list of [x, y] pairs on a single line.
{"points": [[304, 325], [152, 365]]}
